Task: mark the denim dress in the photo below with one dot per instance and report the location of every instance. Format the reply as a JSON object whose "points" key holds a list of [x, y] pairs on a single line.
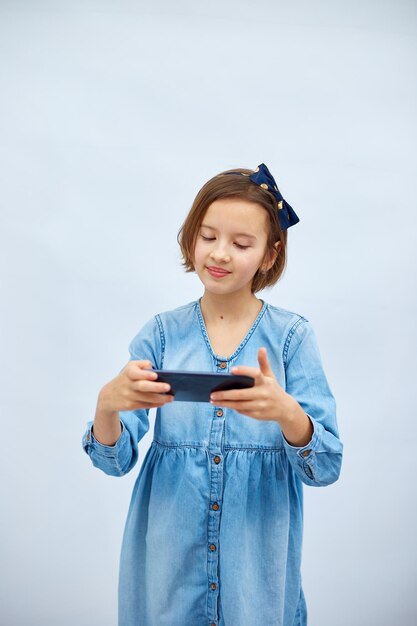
{"points": [[213, 534]]}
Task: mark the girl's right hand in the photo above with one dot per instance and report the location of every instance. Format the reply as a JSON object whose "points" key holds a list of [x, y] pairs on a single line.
{"points": [[134, 388]]}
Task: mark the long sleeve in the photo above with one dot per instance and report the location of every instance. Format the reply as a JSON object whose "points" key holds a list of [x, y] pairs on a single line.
{"points": [[119, 459], [319, 462]]}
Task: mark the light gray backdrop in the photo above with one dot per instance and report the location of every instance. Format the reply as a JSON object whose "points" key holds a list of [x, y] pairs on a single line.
{"points": [[113, 114]]}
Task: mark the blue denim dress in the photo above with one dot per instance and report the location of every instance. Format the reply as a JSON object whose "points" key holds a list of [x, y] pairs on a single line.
{"points": [[213, 534]]}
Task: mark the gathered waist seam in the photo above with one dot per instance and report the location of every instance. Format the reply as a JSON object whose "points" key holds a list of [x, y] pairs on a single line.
{"points": [[204, 446]]}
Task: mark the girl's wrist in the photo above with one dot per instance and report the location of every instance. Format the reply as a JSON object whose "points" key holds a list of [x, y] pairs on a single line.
{"points": [[103, 406], [288, 410], [296, 426], [106, 427]]}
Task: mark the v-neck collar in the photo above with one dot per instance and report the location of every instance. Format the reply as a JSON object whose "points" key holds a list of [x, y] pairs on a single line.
{"points": [[242, 343]]}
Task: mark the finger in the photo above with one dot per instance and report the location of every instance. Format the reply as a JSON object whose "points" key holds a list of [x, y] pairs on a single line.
{"points": [[234, 394], [138, 372], [144, 364], [264, 363], [149, 405], [150, 386], [245, 370], [247, 407], [151, 398]]}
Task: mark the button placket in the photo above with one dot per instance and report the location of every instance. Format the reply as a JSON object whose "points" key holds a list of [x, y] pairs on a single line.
{"points": [[216, 488]]}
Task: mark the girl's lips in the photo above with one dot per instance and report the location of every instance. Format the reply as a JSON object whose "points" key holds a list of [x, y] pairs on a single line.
{"points": [[218, 273]]}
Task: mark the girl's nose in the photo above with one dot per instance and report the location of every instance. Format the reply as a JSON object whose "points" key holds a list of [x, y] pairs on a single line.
{"points": [[219, 253]]}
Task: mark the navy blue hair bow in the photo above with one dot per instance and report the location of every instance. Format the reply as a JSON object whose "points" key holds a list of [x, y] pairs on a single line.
{"points": [[263, 177]]}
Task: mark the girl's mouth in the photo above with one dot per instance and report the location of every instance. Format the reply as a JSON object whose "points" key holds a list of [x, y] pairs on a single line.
{"points": [[217, 272]]}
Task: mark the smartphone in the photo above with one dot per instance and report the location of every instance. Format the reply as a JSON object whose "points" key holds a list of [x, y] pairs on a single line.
{"points": [[197, 386]]}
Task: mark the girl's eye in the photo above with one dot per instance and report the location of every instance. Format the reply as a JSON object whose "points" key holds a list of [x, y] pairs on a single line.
{"points": [[238, 245]]}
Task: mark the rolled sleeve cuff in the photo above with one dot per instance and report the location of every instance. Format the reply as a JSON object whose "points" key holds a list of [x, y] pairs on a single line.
{"points": [[305, 451], [303, 457], [111, 459]]}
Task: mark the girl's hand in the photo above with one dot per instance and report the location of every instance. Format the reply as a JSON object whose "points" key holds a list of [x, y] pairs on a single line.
{"points": [[134, 388], [267, 400]]}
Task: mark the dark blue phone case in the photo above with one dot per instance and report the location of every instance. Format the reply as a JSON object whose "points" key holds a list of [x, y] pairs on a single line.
{"points": [[197, 386]]}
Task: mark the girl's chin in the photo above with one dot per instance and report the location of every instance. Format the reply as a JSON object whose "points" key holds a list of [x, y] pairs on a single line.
{"points": [[221, 289]]}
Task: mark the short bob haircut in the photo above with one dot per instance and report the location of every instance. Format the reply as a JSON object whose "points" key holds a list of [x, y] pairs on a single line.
{"points": [[221, 186]]}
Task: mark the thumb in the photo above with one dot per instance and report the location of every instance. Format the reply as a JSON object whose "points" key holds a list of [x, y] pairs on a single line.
{"points": [[264, 363]]}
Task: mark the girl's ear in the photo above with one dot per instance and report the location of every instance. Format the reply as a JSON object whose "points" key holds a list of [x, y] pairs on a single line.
{"points": [[266, 266]]}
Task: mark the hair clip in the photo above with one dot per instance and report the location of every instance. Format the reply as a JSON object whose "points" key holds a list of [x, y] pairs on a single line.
{"points": [[263, 177]]}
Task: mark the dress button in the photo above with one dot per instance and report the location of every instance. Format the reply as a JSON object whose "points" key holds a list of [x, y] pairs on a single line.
{"points": [[223, 365], [215, 507], [306, 452], [219, 413], [212, 547], [213, 586], [217, 460]]}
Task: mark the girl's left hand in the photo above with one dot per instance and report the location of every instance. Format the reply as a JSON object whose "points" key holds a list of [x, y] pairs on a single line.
{"points": [[266, 400]]}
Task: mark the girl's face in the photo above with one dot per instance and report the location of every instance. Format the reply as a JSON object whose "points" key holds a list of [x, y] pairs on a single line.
{"points": [[231, 245]]}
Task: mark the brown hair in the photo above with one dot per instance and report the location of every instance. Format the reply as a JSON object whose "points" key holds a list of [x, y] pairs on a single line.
{"points": [[221, 186]]}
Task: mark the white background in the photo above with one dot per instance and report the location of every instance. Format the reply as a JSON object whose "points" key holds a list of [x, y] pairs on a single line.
{"points": [[112, 116]]}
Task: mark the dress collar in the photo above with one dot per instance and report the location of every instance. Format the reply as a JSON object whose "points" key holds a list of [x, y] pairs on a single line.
{"points": [[242, 343]]}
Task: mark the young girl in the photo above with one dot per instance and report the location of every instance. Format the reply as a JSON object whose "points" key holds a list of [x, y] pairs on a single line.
{"points": [[214, 530]]}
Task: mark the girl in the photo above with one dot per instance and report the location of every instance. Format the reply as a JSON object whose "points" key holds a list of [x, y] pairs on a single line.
{"points": [[214, 530]]}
